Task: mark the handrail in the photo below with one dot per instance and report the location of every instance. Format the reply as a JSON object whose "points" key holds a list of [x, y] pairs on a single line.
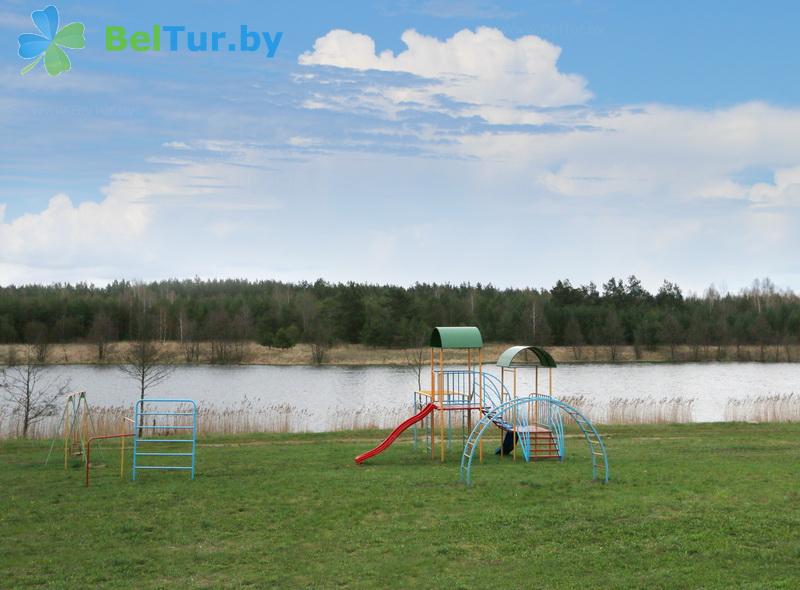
{"points": [[588, 429], [89, 452]]}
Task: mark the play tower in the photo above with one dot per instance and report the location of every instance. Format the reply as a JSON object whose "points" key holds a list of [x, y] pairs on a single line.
{"points": [[465, 401]]}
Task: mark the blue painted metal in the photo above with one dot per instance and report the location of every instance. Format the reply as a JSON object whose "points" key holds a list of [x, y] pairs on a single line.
{"points": [[597, 449], [139, 413]]}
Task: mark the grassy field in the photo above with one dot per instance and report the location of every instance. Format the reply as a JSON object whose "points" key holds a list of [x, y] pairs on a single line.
{"points": [[689, 506]]}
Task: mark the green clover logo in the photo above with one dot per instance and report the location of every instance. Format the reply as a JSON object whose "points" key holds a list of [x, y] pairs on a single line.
{"points": [[48, 45]]}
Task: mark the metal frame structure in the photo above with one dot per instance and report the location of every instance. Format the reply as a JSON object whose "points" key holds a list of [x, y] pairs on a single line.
{"points": [[533, 422], [516, 421], [78, 427], [141, 417], [122, 437]]}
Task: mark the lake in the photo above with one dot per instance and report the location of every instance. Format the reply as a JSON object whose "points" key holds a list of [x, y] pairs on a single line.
{"points": [[327, 398]]}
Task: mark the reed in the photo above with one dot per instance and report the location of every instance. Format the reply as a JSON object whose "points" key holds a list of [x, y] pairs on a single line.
{"points": [[764, 408], [245, 417], [637, 410], [366, 418]]}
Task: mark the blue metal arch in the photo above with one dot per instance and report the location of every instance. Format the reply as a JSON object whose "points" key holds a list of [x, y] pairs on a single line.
{"points": [[594, 440]]}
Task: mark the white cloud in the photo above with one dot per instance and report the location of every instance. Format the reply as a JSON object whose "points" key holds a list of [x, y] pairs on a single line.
{"points": [[785, 190], [481, 68], [654, 151], [118, 230], [66, 234], [634, 151]]}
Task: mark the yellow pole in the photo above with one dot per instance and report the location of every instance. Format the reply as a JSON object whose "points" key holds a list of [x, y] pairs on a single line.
{"points": [[536, 406], [514, 433], [480, 369], [67, 423], [469, 390], [84, 425], [122, 459], [441, 401], [502, 388], [433, 400]]}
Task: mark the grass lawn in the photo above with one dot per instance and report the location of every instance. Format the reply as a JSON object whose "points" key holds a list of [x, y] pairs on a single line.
{"points": [[689, 506]]}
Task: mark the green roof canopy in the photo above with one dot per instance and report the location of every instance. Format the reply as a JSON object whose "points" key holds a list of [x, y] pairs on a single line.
{"points": [[525, 356], [456, 337]]}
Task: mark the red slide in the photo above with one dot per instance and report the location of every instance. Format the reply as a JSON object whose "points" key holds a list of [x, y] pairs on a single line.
{"points": [[395, 433]]}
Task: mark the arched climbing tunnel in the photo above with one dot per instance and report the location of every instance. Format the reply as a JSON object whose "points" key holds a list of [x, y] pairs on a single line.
{"points": [[510, 415]]}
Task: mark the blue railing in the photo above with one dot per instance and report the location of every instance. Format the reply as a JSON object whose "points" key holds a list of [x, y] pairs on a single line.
{"points": [[145, 434]]}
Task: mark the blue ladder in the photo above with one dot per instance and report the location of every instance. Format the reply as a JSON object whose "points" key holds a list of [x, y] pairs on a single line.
{"points": [[143, 433]]}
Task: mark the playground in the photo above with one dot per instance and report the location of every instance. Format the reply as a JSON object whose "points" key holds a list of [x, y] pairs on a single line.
{"points": [[709, 506], [490, 477]]}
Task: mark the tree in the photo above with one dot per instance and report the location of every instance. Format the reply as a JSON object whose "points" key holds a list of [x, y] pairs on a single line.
{"points": [[721, 334], [669, 294], [286, 337], [145, 363], [31, 398], [613, 333], [542, 335], [190, 342], [671, 333], [38, 337], [416, 358], [574, 337], [763, 335], [320, 337], [697, 334], [102, 333]]}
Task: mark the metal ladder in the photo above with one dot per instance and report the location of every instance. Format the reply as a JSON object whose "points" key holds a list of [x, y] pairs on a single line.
{"points": [[145, 434], [597, 448]]}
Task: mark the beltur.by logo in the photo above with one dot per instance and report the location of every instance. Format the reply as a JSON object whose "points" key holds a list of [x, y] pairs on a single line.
{"points": [[48, 46], [177, 38]]}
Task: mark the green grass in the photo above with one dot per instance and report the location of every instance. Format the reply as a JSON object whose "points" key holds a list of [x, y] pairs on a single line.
{"points": [[690, 506]]}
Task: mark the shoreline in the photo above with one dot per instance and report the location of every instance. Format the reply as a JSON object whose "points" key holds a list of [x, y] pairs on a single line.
{"points": [[356, 355]]}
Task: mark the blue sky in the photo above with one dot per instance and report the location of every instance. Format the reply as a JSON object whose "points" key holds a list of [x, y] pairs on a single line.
{"points": [[507, 142]]}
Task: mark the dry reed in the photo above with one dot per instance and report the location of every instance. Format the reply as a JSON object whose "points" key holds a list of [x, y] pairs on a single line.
{"points": [[619, 410], [245, 417], [764, 408]]}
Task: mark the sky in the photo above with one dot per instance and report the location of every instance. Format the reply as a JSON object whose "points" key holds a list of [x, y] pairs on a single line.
{"points": [[512, 143]]}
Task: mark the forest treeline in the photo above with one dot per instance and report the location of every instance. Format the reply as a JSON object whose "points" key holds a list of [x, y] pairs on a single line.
{"points": [[226, 313]]}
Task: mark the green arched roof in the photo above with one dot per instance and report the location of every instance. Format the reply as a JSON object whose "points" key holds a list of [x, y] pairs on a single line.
{"points": [[520, 356], [456, 337]]}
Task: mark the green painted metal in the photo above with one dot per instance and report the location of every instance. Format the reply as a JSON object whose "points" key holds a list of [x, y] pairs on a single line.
{"points": [[509, 357], [456, 337]]}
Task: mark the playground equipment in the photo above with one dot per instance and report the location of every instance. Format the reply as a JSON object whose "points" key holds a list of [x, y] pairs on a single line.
{"points": [[530, 423], [76, 427], [177, 420], [507, 416], [122, 438], [538, 434], [77, 430]]}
